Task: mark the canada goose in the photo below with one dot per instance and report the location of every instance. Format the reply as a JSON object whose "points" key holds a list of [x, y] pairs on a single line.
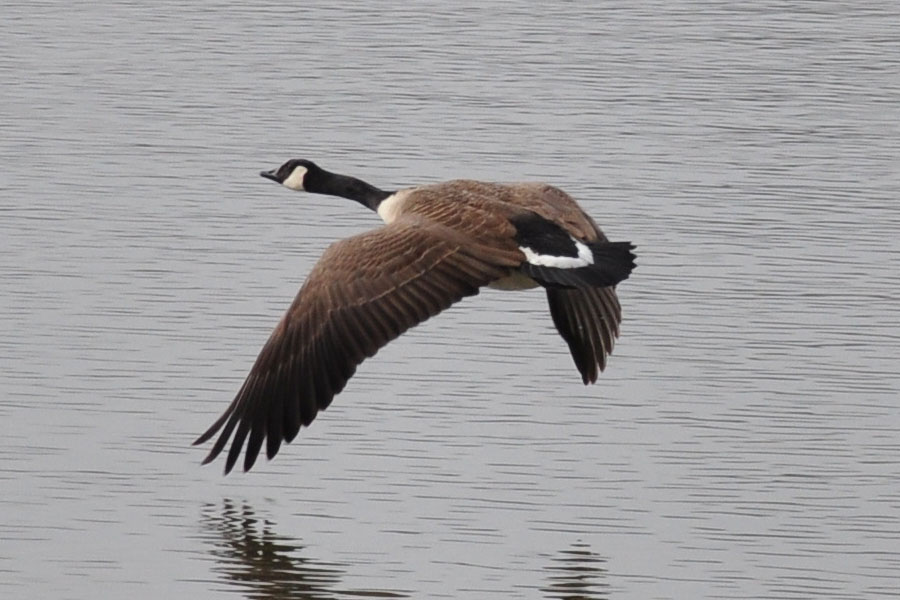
{"points": [[441, 242]]}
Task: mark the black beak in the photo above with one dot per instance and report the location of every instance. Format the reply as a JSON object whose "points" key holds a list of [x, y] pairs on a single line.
{"points": [[270, 175]]}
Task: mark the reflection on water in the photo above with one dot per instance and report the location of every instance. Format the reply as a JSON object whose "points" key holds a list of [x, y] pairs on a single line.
{"points": [[745, 443], [577, 574], [261, 564], [264, 565]]}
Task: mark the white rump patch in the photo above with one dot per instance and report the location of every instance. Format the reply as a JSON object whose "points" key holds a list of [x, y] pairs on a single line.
{"points": [[585, 258], [294, 181], [390, 207]]}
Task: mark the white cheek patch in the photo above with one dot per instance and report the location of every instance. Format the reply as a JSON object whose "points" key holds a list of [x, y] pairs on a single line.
{"points": [[295, 180], [585, 258]]}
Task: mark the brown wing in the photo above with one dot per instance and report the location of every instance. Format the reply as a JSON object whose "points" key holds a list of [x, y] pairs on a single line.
{"points": [[489, 206], [364, 292], [588, 319], [554, 204]]}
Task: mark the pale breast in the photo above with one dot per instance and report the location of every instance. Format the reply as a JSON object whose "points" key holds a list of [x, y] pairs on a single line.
{"points": [[513, 282], [391, 207]]}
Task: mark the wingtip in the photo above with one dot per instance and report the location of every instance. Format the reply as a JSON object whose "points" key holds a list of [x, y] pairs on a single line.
{"points": [[229, 464], [249, 461], [211, 456]]}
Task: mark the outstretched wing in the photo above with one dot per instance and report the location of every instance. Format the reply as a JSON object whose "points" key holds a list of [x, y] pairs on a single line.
{"points": [[588, 319], [364, 292]]}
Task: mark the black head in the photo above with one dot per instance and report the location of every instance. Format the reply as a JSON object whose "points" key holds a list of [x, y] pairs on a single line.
{"points": [[293, 174]]}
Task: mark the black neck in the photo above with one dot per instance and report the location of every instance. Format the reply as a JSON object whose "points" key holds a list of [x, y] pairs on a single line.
{"points": [[332, 184]]}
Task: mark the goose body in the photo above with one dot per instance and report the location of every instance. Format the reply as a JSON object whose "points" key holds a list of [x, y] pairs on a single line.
{"points": [[440, 243]]}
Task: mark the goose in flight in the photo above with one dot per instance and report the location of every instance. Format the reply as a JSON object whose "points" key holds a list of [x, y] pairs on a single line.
{"points": [[440, 243]]}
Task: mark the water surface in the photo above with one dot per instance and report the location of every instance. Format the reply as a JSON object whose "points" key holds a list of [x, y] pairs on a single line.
{"points": [[743, 442]]}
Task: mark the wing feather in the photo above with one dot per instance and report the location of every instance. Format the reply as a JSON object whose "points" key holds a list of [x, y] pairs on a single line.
{"points": [[364, 292], [588, 320]]}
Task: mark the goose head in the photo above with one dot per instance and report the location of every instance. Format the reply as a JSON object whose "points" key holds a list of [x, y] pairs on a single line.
{"points": [[295, 174]]}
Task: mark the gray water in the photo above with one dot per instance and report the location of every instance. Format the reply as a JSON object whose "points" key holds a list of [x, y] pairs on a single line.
{"points": [[744, 441]]}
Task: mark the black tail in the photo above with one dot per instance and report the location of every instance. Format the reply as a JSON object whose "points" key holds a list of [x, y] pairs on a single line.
{"points": [[613, 263]]}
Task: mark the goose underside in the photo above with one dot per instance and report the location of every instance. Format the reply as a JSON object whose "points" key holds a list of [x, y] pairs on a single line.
{"points": [[517, 280]]}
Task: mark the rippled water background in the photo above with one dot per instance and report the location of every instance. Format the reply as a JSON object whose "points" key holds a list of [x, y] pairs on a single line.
{"points": [[744, 442]]}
